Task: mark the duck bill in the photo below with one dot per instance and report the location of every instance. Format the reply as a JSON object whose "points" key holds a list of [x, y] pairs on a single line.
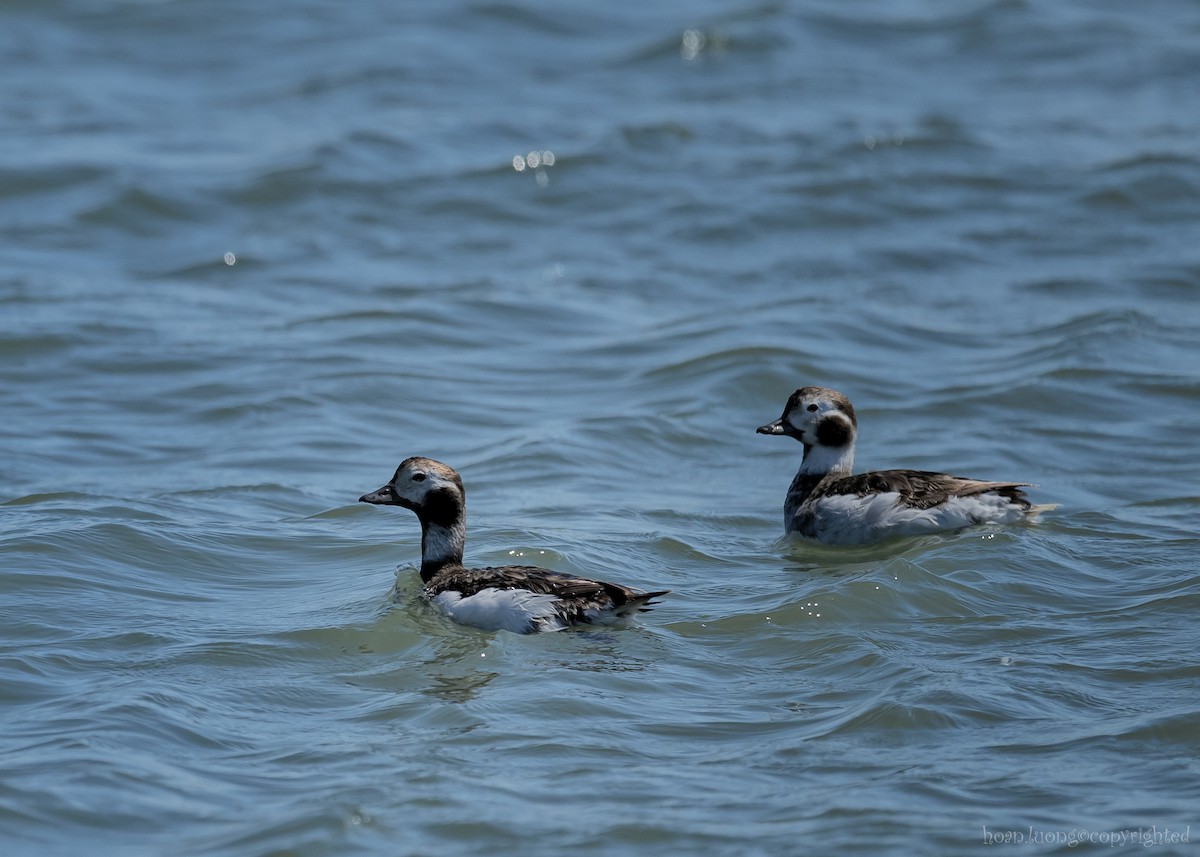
{"points": [[384, 496], [776, 427]]}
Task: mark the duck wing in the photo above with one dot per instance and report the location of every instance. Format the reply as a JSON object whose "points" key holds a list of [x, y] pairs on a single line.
{"points": [[469, 581], [544, 581], [921, 489]]}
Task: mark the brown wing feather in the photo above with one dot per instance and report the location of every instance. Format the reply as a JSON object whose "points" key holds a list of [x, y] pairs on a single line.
{"points": [[469, 581], [576, 593], [921, 489]]}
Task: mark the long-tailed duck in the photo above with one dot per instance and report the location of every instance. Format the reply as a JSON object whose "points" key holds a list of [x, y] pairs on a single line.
{"points": [[825, 502], [520, 598]]}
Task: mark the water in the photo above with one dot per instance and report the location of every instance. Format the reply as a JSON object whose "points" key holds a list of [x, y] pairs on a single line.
{"points": [[978, 220]]}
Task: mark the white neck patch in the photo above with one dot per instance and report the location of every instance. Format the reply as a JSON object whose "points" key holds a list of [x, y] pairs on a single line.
{"points": [[826, 459], [444, 544]]}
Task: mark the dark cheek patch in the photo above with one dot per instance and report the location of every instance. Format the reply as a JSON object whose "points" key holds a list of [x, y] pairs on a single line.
{"points": [[441, 507], [833, 431]]}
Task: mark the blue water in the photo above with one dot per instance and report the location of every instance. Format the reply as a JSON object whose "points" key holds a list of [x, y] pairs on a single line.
{"points": [[253, 255]]}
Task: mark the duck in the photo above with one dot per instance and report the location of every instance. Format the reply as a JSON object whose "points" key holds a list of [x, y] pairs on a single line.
{"points": [[522, 599], [829, 504]]}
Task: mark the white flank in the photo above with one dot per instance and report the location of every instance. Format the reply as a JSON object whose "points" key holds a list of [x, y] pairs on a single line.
{"points": [[516, 610], [847, 519]]}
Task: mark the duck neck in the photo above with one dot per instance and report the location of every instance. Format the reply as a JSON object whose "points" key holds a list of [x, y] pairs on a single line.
{"points": [[820, 463], [822, 460], [441, 545]]}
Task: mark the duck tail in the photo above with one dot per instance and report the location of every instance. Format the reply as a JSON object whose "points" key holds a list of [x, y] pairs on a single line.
{"points": [[642, 601]]}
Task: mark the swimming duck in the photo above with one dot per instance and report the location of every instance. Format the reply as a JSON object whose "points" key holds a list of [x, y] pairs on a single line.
{"points": [[520, 598], [825, 502]]}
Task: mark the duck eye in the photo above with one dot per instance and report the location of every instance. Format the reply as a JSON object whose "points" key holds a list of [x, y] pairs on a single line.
{"points": [[418, 477], [812, 407]]}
